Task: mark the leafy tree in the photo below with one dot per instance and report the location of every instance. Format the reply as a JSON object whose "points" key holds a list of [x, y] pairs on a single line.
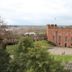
{"points": [[29, 58], [20, 56], [40, 61], [4, 56], [4, 60], [27, 42]]}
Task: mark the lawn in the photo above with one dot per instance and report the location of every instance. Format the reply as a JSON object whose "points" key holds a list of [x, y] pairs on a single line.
{"points": [[42, 43], [63, 58], [11, 49]]}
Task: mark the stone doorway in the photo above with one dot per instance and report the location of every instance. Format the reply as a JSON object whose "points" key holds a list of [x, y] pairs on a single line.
{"points": [[65, 44]]}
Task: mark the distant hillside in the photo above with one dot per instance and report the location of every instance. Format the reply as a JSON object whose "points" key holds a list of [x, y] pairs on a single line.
{"points": [[27, 28]]}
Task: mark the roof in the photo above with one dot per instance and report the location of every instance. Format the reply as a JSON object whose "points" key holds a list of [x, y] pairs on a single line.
{"points": [[30, 33]]}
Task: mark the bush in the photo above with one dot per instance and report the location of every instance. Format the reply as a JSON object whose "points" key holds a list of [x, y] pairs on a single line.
{"points": [[51, 43], [29, 58], [4, 60]]}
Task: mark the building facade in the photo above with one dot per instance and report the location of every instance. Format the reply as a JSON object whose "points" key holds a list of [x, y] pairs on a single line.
{"points": [[61, 36]]}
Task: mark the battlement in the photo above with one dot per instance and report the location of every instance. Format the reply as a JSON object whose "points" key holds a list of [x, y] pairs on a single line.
{"points": [[52, 25], [60, 35]]}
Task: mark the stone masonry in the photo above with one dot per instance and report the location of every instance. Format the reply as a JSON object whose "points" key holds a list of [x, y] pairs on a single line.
{"points": [[61, 36]]}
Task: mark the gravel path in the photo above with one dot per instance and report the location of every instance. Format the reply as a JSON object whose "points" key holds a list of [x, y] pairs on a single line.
{"points": [[60, 51]]}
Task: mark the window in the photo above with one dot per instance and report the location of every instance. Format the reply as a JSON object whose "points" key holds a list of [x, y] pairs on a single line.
{"points": [[71, 44], [56, 36], [53, 37], [65, 38], [59, 43], [71, 39], [65, 44], [59, 38]]}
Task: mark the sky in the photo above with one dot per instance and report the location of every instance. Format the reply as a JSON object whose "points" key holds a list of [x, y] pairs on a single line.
{"points": [[36, 12]]}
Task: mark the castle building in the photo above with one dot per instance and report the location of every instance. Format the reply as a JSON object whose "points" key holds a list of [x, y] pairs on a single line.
{"points": [[61, 36]]}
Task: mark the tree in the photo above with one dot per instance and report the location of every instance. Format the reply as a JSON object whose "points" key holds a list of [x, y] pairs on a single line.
{"points": [[39, 60], [34, 59], [4, 55], [27, 42], [18, 64], [4, 60]]}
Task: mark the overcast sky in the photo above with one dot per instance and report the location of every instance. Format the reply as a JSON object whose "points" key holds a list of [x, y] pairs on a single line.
{"points": [[36, 12]]}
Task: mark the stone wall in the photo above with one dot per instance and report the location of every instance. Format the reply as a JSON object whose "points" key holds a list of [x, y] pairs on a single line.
{"points": [[61, 36]]}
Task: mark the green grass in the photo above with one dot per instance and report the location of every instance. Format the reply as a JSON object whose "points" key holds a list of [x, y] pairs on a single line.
{"points": [[11, 49], [64, 58], [43, 43]]}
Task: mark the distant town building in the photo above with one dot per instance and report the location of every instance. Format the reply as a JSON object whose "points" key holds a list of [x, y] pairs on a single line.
{"points": [[61, 36], [35, 36], [30, 33]]}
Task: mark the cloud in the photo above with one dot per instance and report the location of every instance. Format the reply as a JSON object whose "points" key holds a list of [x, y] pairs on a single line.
{"points": [[36, 11]]}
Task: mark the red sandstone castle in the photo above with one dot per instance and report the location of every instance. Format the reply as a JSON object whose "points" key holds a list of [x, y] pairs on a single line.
{"points": [[61, 36]]}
